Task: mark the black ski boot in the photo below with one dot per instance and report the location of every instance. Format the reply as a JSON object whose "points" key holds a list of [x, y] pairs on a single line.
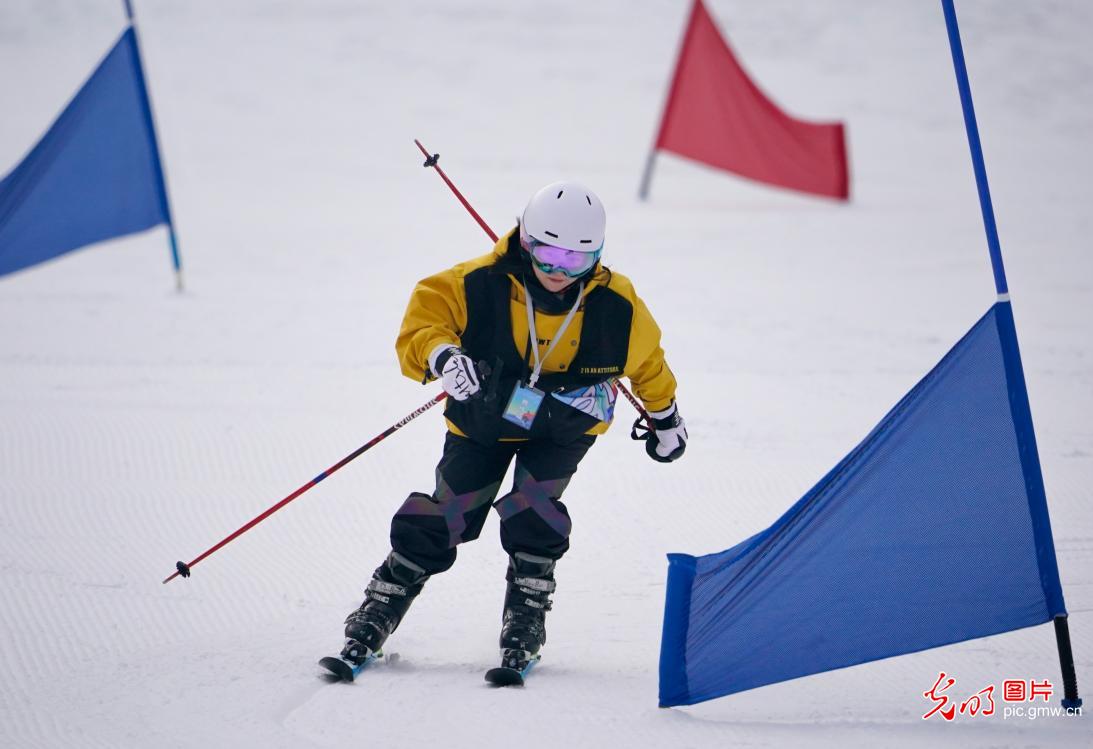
{"points": [[393, 587], [523, 625]]}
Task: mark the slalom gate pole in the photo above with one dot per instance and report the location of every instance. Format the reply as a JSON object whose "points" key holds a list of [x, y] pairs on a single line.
{"points": [[1071, 700], [647, 175], [161, 172], [431, 160], [183, 568], [975, 145]]}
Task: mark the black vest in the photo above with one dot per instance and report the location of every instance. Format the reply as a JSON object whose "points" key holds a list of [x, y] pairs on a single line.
{"points": [[601, 354]]}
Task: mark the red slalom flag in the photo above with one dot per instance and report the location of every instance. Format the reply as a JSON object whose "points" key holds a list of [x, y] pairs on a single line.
{"points": [[716, 114]]}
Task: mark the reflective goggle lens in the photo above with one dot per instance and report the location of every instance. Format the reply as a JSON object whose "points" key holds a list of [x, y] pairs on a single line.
{"points": [[551, 259]]}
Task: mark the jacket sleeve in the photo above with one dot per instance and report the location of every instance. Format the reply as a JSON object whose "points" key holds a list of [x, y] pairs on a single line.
{"points": [[436, 314], [653, 380]]}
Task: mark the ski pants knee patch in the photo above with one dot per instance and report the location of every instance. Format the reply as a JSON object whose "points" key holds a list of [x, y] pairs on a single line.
{"points": [[427, 528]]}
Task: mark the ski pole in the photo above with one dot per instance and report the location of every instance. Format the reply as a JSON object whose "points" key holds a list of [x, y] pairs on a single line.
{"points": [[431, 161], [183, 569]]}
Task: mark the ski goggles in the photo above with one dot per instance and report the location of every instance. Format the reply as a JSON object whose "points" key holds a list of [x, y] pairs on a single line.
{"points": [[573, 263]]}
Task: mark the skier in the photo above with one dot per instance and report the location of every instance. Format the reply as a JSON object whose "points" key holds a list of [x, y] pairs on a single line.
{"points": [[525, 340]]}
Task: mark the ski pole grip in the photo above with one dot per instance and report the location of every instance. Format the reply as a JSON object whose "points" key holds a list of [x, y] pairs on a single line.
{"points": [[484, 372], [492, 378]]}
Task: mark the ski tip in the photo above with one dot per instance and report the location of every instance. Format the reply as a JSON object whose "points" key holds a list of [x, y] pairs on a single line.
{"points": [[505, 677], [337, 667]]}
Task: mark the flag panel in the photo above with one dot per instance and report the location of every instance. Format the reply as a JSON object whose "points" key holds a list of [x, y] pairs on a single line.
{"points": [[929, 532], [716, 114], [94, 175]]}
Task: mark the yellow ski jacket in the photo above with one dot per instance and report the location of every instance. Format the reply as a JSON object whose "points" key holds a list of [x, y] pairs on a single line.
{"points": [[461, 302]]}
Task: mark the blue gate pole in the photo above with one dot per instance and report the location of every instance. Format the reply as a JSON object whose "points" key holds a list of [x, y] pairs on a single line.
{"points": [[165, 201], [977, 150], [1071, 700]]}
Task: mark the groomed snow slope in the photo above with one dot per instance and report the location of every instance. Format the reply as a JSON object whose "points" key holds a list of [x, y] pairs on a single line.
{"points": [[138, 426]]}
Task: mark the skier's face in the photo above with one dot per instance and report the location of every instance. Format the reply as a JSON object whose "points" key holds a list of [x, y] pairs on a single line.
{"points": [[553, 282]]}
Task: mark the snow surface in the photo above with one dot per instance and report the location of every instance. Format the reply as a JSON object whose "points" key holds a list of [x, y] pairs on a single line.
{"points": [[138, 426]]}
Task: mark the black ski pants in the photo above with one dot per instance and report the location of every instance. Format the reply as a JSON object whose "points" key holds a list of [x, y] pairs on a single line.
{"points": [[426, 529]]}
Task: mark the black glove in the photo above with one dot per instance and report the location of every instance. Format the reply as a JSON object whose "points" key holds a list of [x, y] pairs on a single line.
{"points": [[668, 439]]}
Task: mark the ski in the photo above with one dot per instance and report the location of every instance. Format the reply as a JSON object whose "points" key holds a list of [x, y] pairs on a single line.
{"points": [[347, 670], [512, 675]]}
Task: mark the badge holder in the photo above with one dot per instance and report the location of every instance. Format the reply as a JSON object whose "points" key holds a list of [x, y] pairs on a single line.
{"points": [[523, 405]]}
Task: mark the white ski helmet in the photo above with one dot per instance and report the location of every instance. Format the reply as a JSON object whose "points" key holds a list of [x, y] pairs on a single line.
{"points": [[565, 214]]}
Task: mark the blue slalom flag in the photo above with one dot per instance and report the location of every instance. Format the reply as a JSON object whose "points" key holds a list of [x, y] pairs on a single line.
{"points": [[94, 175], [933, 530]]}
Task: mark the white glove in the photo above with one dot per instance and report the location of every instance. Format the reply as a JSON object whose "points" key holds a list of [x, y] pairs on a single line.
{"points": [[669, 438], [456, 371]]}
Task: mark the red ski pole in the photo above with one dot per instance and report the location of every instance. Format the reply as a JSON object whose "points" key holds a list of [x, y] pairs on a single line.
{"points": [[431, 161], [183, 568]]}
